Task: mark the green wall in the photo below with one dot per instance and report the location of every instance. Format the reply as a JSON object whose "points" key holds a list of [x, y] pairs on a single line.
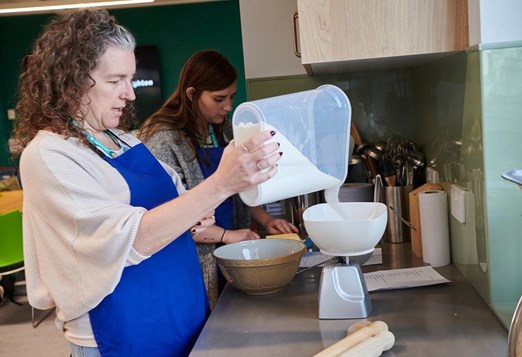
{"points": [[177, 30], [16, 37]]}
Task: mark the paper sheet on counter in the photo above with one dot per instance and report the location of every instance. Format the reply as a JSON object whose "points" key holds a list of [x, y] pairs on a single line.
{"points": [[403, 278], [311, 259]]}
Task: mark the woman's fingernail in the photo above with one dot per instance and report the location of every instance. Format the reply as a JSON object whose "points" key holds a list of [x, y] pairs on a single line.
{"points": [[280, 153], [278, 145], [193, 230], [198, 224], [272, 132]]}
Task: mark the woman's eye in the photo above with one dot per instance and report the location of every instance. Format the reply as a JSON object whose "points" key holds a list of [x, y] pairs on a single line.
{"points": [[116, 82]]}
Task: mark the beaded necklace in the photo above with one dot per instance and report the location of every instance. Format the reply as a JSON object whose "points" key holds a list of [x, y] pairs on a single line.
{"points": [[102, 147], [212, 135]]}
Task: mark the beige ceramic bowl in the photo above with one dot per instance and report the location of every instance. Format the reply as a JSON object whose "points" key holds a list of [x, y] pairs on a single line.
{"points": [[260, 266]]}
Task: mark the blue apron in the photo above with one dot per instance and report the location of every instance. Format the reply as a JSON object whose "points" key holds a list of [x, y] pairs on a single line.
{"points": [[160, 305], [225, 211]]}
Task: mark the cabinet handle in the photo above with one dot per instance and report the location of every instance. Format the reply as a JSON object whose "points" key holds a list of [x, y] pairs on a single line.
{"points": [[297, 50]]}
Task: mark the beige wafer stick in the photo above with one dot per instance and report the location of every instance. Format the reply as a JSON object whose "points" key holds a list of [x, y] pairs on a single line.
{"points": [[371, 347], [353, 339]]}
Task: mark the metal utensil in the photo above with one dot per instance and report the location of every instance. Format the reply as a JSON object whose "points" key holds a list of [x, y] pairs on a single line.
{"points": [[357, 159]]}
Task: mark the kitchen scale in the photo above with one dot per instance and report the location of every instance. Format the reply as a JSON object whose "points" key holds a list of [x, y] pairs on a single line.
{"points": [[351, 237]]}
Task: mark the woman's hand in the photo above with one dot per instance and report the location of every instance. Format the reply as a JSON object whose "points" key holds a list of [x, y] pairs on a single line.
{"points": [[239, 235], [248, 164], [202, 225], [204, 233], [280, 226], [271, 224]]}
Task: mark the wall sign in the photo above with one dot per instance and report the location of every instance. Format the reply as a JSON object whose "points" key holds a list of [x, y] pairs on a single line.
{"points": [[147, 83]]}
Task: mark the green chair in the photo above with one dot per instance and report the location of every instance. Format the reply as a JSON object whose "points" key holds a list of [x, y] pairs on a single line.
{"points": [[12, 252], [11, 243]]}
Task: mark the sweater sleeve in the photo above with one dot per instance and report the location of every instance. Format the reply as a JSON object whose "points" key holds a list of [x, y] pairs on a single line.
{"points": [[79, 227], [161, 145]]}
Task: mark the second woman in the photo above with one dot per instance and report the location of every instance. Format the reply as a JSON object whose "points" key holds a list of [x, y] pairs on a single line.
{"points": [[189, 132]]}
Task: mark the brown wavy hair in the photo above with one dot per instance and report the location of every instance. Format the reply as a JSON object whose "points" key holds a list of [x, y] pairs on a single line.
{"points": [[56, 74], [207, 70]]}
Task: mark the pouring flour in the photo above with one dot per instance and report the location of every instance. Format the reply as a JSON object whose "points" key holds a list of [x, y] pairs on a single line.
{"points": [[313, 130]]}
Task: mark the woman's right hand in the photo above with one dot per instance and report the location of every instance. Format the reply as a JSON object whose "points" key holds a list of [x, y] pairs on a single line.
{"points": [[248, 164], [239, 235]]}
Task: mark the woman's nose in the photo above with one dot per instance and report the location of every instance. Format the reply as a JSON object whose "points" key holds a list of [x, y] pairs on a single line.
{"points": [[128, 93], [228, 105]]}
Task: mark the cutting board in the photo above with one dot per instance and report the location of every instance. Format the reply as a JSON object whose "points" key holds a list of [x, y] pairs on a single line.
{"points": [[416, 234]]}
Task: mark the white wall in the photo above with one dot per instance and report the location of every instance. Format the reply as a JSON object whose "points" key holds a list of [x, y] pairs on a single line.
{"points": [[492, 21]]}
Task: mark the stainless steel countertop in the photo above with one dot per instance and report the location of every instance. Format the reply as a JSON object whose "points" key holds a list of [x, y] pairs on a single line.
{"points": [[440, 320]]}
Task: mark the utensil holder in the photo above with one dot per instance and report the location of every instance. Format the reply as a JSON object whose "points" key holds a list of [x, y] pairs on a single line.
{"points": [[397, 201]]}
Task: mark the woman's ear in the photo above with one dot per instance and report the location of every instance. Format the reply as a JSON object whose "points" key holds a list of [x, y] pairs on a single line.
{"points": [[190, 92]]}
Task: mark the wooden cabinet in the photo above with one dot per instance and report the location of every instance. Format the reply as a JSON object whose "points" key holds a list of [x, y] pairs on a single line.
{"points": [[268, 38], [338, 33]]}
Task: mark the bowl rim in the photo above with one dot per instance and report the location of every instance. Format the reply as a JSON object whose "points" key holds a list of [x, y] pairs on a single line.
{"points": [[378, 205], [259, 262]]}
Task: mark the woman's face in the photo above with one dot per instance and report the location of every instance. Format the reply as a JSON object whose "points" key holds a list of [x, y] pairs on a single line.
{"points": [[104, 102], [214, 106]]}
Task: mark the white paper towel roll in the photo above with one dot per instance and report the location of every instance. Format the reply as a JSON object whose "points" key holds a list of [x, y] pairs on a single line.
{"points": [[433, 208]]}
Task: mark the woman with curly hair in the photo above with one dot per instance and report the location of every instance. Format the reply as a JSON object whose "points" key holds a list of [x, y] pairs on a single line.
{"points": [[106, 225], [189, 132]]}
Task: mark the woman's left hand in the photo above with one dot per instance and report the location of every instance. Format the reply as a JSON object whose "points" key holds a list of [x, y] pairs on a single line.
{"points": [[201, 225], [280, 226]]}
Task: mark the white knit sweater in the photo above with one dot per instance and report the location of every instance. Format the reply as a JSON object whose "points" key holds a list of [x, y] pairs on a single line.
{"points": [[78, 225]]}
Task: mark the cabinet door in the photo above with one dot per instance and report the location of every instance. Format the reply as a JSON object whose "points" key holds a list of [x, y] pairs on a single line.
{"points": [[268, 38], [340, 30]]}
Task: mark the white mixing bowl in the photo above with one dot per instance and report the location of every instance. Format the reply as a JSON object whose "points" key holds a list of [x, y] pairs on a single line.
{"points": [[356, 231]]}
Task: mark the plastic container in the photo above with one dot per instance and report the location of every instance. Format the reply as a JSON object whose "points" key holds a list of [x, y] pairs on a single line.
{"points": [[313, 128]]}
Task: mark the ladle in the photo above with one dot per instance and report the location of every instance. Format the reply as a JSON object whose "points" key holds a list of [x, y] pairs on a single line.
{"points": [[374, 157], [380, 145], [357, 159], [416, 158]]}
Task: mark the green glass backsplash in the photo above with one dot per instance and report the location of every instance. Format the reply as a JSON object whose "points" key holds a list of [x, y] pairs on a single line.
{"points": [[381, 100], [469, 248], [501, 78]]}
